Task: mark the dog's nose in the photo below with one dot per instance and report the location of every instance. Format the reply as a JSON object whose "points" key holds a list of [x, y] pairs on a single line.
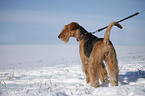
{"points": [[58, 36]]}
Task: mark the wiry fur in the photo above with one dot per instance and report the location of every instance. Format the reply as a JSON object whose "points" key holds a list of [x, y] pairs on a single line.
{"points": [[102, 50]]}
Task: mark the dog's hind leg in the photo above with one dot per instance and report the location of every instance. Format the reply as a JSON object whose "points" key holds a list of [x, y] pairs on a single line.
{"points": [[112, 65], [103, 73], [94, 70]]}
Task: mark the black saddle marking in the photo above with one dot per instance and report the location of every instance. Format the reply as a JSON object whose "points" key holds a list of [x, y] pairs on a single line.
{"points": [[90, 40]]}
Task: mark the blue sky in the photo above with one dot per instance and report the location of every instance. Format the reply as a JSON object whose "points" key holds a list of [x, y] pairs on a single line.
{"points": [[40, 21]]}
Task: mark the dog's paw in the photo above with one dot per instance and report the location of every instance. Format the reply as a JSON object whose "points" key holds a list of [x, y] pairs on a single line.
{"points": [[95, 84], [88, 80]]}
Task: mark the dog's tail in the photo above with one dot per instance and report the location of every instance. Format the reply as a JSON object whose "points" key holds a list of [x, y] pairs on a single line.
{"points": [[106, 37]]}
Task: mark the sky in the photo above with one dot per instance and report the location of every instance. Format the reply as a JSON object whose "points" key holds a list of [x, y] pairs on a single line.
{"points": [[39, 22]]}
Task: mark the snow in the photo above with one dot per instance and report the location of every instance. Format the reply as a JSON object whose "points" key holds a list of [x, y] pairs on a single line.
{"points": [[56, 70]]}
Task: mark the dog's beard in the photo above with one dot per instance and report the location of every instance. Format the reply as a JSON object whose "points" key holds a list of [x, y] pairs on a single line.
{"points": [[64, 40]]}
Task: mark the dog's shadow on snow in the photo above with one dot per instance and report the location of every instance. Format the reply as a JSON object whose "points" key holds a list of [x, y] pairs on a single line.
{"points": [[127, 78], [131, 77]]}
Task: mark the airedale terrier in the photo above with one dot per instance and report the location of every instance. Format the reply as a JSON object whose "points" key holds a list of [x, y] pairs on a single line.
{"points": [[93, 51]]}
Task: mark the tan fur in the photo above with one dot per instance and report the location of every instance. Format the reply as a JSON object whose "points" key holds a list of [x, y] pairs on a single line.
{"points": [[106, 37], [93, 67]]}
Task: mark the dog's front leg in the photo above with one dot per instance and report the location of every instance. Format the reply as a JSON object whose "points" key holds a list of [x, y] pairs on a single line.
{"points": [[85, 70]]}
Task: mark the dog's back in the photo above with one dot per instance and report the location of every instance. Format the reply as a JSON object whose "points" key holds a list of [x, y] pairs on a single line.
{"points": [[90, 40]]}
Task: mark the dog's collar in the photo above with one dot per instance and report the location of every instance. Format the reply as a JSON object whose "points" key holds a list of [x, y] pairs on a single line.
{"points": [[81, 36]]}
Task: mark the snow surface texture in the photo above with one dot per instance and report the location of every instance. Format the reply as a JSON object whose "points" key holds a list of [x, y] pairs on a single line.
{"points": [[56, 71]]}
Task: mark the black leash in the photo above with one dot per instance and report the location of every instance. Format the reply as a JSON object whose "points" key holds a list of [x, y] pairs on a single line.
{"points": [[118, 21]]}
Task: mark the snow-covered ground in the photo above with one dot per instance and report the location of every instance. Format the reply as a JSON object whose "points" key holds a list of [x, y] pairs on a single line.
{"points": [[35, 70]]}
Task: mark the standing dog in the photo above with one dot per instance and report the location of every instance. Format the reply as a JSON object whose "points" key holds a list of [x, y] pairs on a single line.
{"points": [[93, 51]]}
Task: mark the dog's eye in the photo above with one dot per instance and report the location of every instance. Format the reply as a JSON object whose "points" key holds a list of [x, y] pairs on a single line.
{"points": [[66, 28]]}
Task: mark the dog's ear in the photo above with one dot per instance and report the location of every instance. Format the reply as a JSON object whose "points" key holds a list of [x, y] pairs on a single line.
{"points": [[74, 26]]}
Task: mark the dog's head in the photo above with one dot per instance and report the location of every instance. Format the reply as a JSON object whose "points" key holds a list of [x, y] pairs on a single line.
{"points": [[70, 30]]}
